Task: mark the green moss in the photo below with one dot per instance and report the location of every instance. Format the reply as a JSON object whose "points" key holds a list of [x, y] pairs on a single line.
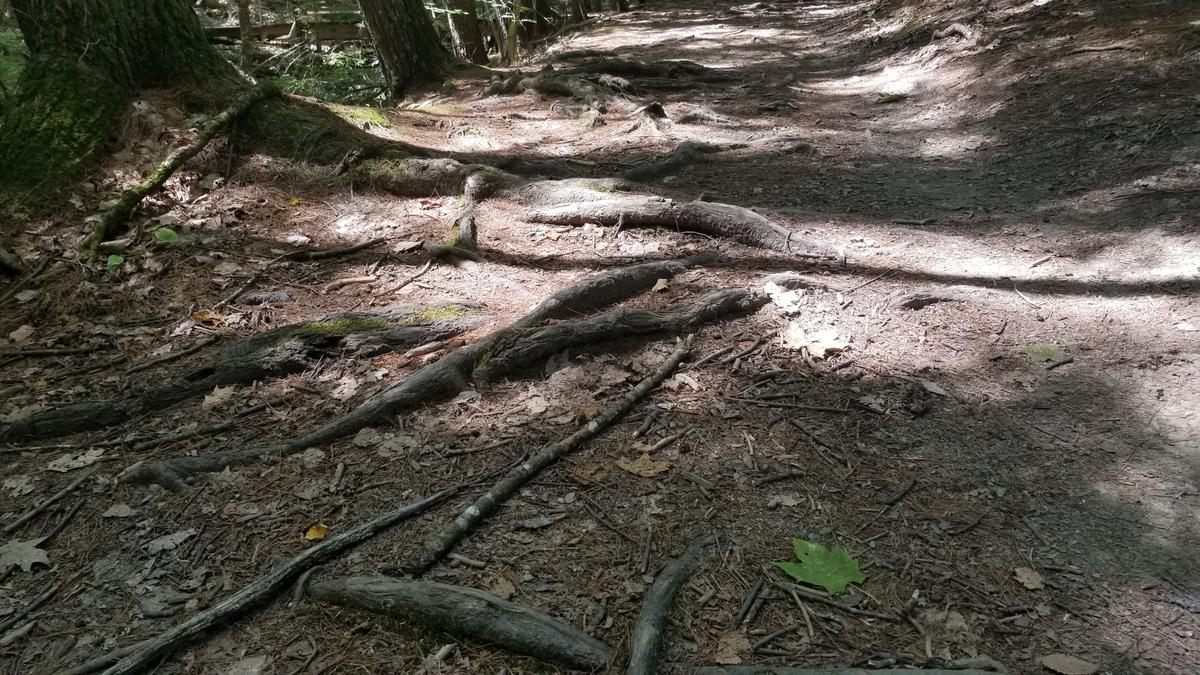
{"points": [[369, 115], [451, 310], [343, 326], [481, 366], [12, 61]]}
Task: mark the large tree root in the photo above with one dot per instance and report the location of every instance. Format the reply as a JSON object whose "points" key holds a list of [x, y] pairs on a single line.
{"points": [[268, 585], [693, 152], [652, 619], [592, 89], [471, 613], [783, 670], [439, 546], [718, 220], [118, 214], [275, 353], [505, 351]]}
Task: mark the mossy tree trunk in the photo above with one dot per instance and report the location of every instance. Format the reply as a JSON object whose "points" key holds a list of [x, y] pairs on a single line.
{"points": [[407, 44], [464, 26], [88, 58]]}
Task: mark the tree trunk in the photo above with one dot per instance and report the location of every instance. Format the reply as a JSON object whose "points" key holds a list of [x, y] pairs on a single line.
{"points": [[541, 13], [247, 38], [87, 60], [622, 5], [578, 15], [464, 26], [407, 44]]}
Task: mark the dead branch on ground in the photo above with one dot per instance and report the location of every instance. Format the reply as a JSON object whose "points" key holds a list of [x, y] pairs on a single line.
{"points": [[652, 619]]}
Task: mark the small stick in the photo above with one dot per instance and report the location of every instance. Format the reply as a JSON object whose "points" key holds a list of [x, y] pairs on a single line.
{"points": [[174, 356], [47, 502], [750, 598], [782, 631], [1060, 363], [1041, 261], [818, 597], [867, 283], [146, 443], [651, 620], [791, 406], [22, 353], [703, 360], [647, 423], [744, 353], [298, 589], [307, 662], [418, 275], [349, 281], [469, 562], [969, 526], [437, 547], [598, 514], [1026, 298], [333, 252], [804, 613], [103, 660], [337, 476], [232, 297], [668, 440], [767, 480], [646, 549]]}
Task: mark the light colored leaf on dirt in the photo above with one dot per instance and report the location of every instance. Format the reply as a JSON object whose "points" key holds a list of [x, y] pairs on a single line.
{"points": [[118, 511], [730, 647], [312, 457], [255, 665], [612, 375], [503, 588], [218, 398], [19, 485], [24, 554], [645, 466], [787, 301], [818, 343], [832, 570], [76, 460], [1185, 326], [20, 413], [536, 405], [1029, 578], [316, 532], [661, 285], [1041, 352], [872, 402], [226, 268], [679, 379], [536, 523], [168, 542], [346, 389], [784, 500], [25, 296], [367, 437], [934, 388], [21, 335], [1064, 664]]}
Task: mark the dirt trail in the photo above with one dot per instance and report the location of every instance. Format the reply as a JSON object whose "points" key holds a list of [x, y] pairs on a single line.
{"points": [[1016, 200]]}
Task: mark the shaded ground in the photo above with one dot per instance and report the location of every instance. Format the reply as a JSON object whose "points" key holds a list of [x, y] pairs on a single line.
{"points": [[1054, 189]]}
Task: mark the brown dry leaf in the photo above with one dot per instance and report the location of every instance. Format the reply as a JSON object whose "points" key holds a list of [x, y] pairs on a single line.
{"points": [[552, 235], [209, 317], [1029, 578], [218, 397], [1068, 665], [679, 379], [589, 473], [644, 466], [76, 460], [21, 335], [536, 405], [586, 412], [503, 588], [730, 646]]}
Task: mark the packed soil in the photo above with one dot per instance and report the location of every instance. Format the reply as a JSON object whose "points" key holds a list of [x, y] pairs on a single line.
{"points": [[991, 404]]}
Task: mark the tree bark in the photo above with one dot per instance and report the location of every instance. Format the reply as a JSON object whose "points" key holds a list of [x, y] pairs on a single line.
{"points": [[87, 60], [407, 44], [246, 25], [464, 27]]}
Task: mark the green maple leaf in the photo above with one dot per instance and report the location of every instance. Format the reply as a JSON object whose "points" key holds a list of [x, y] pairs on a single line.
{"points": [[818, 566]]}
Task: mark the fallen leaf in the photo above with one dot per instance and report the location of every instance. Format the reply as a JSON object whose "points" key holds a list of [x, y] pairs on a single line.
{"points": [[24, 554], [1029, 578], [1068, 665], [1041, 352], [787, 301], [367, 437], [503, 588], [312, 457], [644, 466], [118, 511], [168, 542], [19, 485], [552, 235], [660, 285], [536, 405], [783, 500], [536, 523], [347, 388], [255, 665], [818, 344], [17, 414], [211, 318], [934, 388], [218, 397], [831, 569], [316, 532], [872, 402], [729, 648], [76, 460], [678, 379], [21, 335], [25, 296]]}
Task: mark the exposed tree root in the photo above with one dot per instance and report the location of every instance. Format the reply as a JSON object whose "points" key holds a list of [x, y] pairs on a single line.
{"points": [[652, 619], [954, 29], [505, 351], [692, 152], [115, 217], [634, 68], [782, 670], [471, 613], [718, 220], [266, 586], [439, 546], [282, 351], [593, 89]]}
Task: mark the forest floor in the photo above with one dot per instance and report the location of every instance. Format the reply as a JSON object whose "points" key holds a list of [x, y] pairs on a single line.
{"points": [[1040, 180]]}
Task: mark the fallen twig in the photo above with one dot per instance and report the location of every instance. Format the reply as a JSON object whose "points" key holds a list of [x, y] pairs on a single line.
{"points": [[173, 356], [651, 620], [437, 547], [817, 596], [268, 585], [21, 520]]}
